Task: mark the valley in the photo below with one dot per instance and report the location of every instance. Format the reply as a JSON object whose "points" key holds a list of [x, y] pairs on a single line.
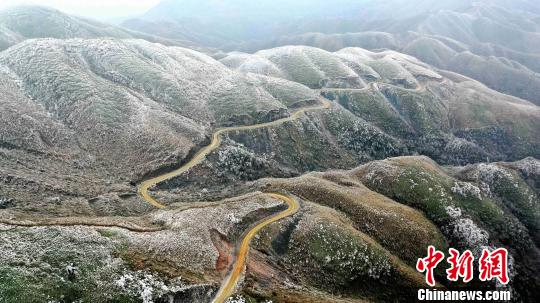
{"points": [[191, 155]]}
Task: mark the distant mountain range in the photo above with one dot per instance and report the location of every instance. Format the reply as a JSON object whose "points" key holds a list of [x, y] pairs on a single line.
{"points": [[138, 107], [29, 22], [495, 42], [392, 125]]}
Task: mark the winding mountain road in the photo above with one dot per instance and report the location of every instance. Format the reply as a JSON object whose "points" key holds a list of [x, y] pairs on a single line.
{"points": [[420, 87], [81, 221], [229, 284], [214, 144]]}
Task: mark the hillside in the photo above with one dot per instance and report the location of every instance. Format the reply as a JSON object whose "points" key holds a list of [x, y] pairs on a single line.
{"points": [[357, 232], [440, 114], [115, 110], [131, 108], [29, 22], [493, 44], [215, 23], [133, 169]]}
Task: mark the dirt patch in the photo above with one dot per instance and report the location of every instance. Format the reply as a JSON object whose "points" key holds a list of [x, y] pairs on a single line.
{"points": [[225, 250]]}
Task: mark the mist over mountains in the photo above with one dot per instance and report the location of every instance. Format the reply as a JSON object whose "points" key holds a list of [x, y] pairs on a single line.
{"points": [[495, 42], [245, 20], [28, 22], [391, 125]]}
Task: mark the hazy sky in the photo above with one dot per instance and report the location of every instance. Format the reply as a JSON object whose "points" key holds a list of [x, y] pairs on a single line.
{"points": [[98, 9]]}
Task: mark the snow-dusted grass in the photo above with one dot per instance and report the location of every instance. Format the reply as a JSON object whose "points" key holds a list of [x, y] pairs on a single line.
{"points": [[34, 260]]}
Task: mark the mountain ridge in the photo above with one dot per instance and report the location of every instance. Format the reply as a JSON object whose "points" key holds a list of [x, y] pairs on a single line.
{"points": [[33, 21], [137, 171], [495, 42]]}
